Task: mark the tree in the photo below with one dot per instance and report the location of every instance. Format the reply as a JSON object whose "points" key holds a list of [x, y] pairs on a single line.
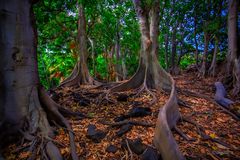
{"points": [[25, 107], [149, 70], [80, 73], [207, 35], [216, 31], [233, 57], [150, 75]]}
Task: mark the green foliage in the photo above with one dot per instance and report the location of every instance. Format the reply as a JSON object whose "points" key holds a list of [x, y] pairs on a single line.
{"points": [[187, 60], [112, 21], [53, 68], [101, 66]]}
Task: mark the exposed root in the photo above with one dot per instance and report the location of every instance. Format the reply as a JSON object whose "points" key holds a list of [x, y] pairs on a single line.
{"points": [[67, 113], [78, 78], [204, 136], [71, 77], [52, 109], [208, 98], [183, 134], [107, 85], [129, 149], [144, 124], [137, 82], [145, 88], [184, 104]]}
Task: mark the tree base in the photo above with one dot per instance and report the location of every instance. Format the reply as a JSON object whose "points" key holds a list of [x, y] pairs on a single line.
{"points": [[36, 128], [154, 77]]}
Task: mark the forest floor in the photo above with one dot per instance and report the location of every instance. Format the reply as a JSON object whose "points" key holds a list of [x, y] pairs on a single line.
{"points": [[223, 132]]}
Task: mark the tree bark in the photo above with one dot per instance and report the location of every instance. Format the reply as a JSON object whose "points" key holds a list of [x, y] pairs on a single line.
{"points": [[119, 74], [93, 57], [204, 58], [195, 39], [166, 52], [25, 108], [212, 69], [124, 68], [233, 58], [80, 74], [174, 50]]}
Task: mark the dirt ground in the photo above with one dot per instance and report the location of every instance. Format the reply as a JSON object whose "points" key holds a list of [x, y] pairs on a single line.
{"points": [[223, 130]]}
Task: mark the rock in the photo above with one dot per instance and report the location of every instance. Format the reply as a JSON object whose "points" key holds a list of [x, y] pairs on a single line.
{"points": [[122, 98], [139, 112], [135, 112], [111, 149], [135, 145], [120, 118], [124, 129], [95, 135], [150, 154], [82, 101]]}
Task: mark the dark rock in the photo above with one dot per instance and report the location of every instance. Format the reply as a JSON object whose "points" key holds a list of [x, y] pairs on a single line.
{"points": [[94, 134], [135, 145], [122, 98], [150, 154], [82, 101], [124, 129], [120, 118], [135, 112], [139, 112], [111, 149]]}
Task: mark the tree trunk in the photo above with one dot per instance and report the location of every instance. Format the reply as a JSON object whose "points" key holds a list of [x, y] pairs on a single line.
{"points": [[195, 39], [124, 68], [166, 52], [93, 57], [111, 68], [204, 58], [212, 69], [25, 108], [233, 58], [80, 74], [118, 56], [174, 50]]}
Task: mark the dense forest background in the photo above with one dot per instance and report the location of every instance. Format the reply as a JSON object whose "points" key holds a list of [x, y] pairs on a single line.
{"points": [[119, 79], [189, 31]]}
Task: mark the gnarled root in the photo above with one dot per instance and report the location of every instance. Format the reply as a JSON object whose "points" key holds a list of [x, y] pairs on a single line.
{"points": [[201, 132], [52, 109], [34, 126], [210, 99], [183, 134], [141, 81], [154, 77], [78, 77], [167, 119]]}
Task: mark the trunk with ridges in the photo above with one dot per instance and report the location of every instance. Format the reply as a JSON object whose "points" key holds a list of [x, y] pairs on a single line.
{"points": [[80, 74], [23, 108]]}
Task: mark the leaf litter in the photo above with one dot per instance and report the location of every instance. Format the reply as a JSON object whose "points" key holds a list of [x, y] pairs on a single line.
{"points": [[223, 130]]}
